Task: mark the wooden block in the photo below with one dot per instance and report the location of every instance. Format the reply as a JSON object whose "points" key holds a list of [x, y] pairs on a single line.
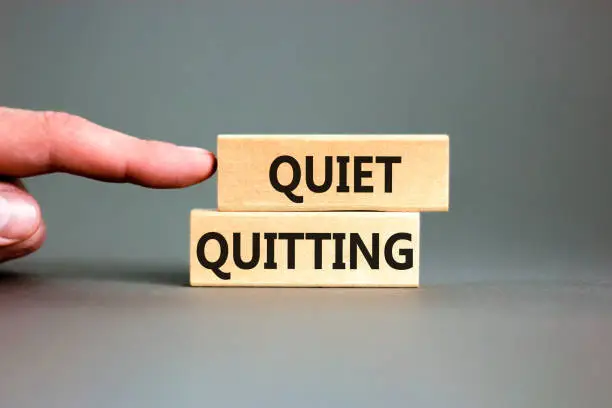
{"points": [[304, 249], [333, 172]]}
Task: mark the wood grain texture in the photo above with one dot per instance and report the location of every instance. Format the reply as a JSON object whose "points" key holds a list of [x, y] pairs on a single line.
{"points": [[395, 172], [355, 249]]}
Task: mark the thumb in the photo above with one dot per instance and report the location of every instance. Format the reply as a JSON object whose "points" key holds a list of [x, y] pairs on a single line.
{"points": [[21, 226]]}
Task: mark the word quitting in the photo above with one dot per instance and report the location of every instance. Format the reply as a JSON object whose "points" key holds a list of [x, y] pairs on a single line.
{"points": [[304, 248]]}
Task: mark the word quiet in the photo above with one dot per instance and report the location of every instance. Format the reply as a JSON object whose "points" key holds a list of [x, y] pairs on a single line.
{"points": [[341, 163]]}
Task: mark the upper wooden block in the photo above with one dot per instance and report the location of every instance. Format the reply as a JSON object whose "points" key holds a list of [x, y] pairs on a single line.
{"points": [[333, 172]]}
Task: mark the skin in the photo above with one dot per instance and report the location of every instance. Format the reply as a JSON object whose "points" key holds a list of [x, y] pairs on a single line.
{"points": [[33, 143]]}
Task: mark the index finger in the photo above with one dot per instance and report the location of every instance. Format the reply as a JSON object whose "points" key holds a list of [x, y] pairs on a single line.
{"points": [[34, 143]]}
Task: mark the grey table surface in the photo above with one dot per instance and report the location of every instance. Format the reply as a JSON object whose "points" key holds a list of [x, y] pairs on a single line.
{"points": [[136, 335], [516, 306]]}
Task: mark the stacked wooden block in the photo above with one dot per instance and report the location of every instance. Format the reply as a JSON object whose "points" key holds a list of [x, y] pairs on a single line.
{"points": [[319, 210]]}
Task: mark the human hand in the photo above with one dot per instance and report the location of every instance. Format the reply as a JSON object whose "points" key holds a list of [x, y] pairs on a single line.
{"points": [[34, 143]]}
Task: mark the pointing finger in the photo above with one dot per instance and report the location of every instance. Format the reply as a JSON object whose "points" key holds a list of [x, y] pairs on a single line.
{"points": [[33, 143]]}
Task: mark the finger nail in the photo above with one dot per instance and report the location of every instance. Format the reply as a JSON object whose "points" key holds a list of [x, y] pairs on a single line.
{"points": [[18, 219], [195, 149], [204, 152]]}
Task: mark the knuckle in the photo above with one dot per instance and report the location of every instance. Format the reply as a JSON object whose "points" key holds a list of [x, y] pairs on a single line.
{"points": [[55, 123]]}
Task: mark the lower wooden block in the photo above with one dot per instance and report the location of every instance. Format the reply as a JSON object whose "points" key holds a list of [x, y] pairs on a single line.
{"points": [[304, 249]]}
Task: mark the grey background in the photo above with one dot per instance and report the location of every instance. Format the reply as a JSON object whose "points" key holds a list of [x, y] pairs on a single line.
{"points": [[516, 303]]}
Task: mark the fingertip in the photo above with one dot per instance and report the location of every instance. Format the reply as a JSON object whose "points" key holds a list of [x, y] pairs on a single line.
{"points": [[209, 164], [191, 166], [206, 166]]}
